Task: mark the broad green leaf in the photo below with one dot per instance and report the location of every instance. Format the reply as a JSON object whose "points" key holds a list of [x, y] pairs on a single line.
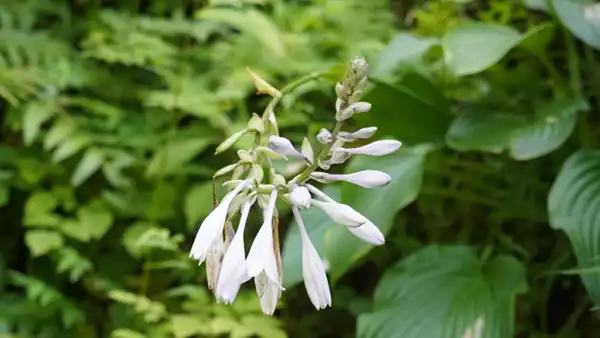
{"points": [[574, 207], [90, 163], [483, 131], [404, 47], [95, 217], [132, 234], [413, 111], [551, 127], [443, 291], [39, 208], [70, 146], [185, 325], [317, 224], [174, 155], [35, 114], [41, 242], [581, 17], [198, 203], [379, 205], [537, 38], [470, 48], [251, 22]]}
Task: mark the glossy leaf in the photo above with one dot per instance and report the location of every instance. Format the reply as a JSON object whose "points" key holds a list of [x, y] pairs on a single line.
{"points": [[483, 131], [443, 291], [379, 205], [412, 111], [581, 17], [470, 48], [404, 47], [574, 207], [551, 127]]}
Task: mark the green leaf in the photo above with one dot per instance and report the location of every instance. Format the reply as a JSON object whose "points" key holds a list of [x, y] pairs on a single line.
{"points": [[90, 163], [442, 291], [70, 146], [41, 242], [574, 207], [185, 325], [71, 261], [174, 155], [39, 208], [317, 224], [61, 129], [581, 18], [251, 22], [470, 48], [198, 203], [537, 38], [484, 131], [35, 114], [413, 111], [552, 125], [95, 217], [404, 48], [379, 205]]}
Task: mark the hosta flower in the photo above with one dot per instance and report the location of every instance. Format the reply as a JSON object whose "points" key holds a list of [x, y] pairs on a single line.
{"points": [[212, 226], [364, 178], [256, 177], [377, 148], [233, 267], [313, 270], [261, 257]]}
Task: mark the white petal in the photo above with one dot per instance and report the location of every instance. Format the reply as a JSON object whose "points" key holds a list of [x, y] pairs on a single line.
{"points": [[324, 136], [369, 233], [300, 197], [283, 146], [341, 213], [213, 262], [313, 270], [212, 225], [233, 267], [364, 178], [365, 132], [261, 256], [268, 293], [377, 148]]}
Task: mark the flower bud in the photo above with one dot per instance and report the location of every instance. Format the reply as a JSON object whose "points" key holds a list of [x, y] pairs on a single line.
{"points": [[256, 123], [341, 213], [364, 133], [307, 151], [244, 155], [339, 89], [262, 86], [354, 108], [324, 136], [364, 178], [230, 141], [369, 233], [283, 147], [300, 197], [377, 148]]}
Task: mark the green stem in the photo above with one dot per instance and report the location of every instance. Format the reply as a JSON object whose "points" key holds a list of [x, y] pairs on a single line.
{"points": [[304, 175]]}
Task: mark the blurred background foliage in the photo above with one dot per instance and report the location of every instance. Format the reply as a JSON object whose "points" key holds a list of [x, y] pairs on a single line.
{"points": [[111, 111]]}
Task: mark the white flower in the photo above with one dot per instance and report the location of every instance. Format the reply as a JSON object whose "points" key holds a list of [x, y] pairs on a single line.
{"points": [[324, 136], [313, 270], [365, 132], [377, 148], [212, 225], [354, 108], [213, 261], [341, 213], [262, 256], [233, 266], [283, 146], [369, 233], [364, 178], [268, 293], [300, 197]]}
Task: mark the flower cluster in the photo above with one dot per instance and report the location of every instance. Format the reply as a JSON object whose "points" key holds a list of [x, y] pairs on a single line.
{"points": [[255, 181]]}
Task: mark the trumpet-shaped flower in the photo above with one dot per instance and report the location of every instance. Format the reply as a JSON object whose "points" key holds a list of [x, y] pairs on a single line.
{"points": [[300, 197], [213, 225], [377, 148], [283, 146], [341, 213], [364, 178], [213, 261], [369, 233], [313, 270], [268, 293], [233, 266], [261, 257]]}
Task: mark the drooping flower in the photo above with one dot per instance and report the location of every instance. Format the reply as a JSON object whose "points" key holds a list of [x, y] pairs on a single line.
{"points": [[213, 261], [268, 292], [369, 233], [364, 178], [324, 136], [300, 197], [313, 270], [233, 266], [377, 148], [261, 257], [283, 146], [212, 226]]}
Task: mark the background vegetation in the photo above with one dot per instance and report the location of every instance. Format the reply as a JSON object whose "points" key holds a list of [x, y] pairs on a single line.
{"points": [[111, 111]]}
